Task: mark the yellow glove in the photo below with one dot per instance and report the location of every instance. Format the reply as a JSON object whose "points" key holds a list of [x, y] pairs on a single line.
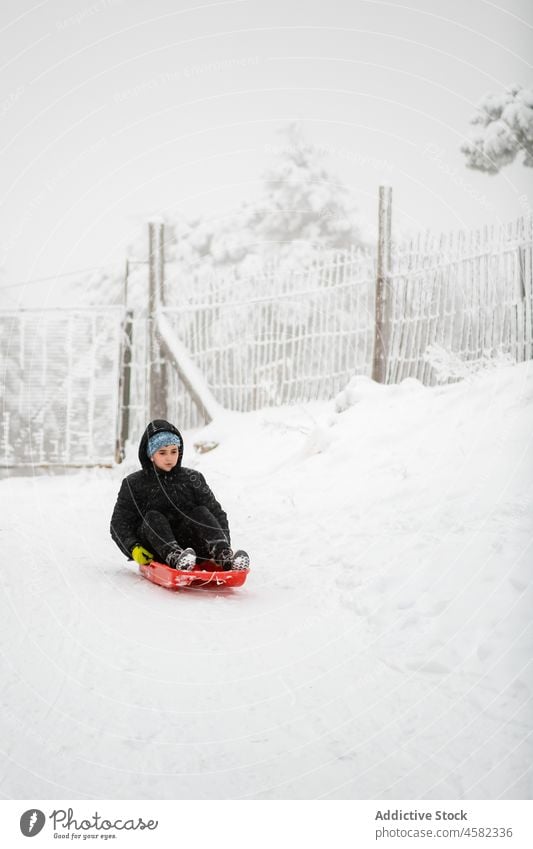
{"points": [[141, 555]]}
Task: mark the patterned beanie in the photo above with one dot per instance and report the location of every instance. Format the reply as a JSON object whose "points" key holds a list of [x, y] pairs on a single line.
{"points": [[158, 440]]}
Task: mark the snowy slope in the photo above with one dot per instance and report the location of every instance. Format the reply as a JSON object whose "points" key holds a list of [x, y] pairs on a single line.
{"points": [[379, 648]]}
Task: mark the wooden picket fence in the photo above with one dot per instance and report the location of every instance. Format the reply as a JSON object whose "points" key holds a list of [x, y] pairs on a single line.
{"points": [[282, 336], [459, 301], [76, 383], [454, 303]]}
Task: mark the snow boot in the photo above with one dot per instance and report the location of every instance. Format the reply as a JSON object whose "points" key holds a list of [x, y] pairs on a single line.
{"points": [[222, 554], [241, 560], [181, 558]]}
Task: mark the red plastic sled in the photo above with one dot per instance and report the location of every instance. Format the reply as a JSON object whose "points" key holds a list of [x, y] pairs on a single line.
{"points": [[204, 574]]}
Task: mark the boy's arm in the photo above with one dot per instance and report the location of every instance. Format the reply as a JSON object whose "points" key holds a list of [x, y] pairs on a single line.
{"points": [[206, 498], [125, 519]]}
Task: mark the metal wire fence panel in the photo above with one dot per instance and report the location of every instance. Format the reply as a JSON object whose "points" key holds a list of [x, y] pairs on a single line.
{"points": [[59, 379]]}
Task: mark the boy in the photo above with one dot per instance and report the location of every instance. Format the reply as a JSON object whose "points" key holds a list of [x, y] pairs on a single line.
{"points": [[169, 510]]}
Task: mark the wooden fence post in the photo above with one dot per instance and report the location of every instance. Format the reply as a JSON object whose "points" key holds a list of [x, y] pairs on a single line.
{"points": [[380, 351], [163, 363], [161, 263], [157, 394], [125, 386]]}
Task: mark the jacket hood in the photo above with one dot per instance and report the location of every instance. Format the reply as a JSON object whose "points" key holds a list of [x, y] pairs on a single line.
{"points": [[156, 426]]}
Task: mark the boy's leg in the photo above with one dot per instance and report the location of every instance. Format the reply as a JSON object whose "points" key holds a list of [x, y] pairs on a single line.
{"points": [[201, 530], [157, 534]]}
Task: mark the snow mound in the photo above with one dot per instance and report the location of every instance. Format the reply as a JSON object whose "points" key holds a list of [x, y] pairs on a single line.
{"points": [[361, 388]]}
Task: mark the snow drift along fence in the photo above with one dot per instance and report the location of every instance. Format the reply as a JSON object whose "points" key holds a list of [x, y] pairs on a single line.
{"points": [[59, 379]]}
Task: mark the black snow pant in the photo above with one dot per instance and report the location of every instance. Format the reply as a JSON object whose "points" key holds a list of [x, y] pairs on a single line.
{"points": [[199, 530]]}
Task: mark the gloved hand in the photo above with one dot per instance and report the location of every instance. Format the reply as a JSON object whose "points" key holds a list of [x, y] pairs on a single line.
{"points": [[141, 555]]}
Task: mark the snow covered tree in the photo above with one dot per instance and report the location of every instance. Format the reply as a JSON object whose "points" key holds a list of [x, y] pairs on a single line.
{"points": [[302, 211], [303, 204], [504, 128]]}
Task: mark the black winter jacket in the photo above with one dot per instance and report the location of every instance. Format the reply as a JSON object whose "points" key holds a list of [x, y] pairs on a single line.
{"points": [[172, 493]]}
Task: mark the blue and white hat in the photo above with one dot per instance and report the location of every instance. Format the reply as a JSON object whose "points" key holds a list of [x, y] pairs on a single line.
{"points": [[160, 440]]}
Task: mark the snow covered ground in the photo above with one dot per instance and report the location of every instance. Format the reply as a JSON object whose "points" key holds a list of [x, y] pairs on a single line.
{"points": [[379, 648]]}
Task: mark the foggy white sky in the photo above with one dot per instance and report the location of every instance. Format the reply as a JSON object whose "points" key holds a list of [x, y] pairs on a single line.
{"points": [[114, 110]]}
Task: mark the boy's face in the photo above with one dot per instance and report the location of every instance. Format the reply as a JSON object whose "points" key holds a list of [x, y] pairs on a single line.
{"points": [[166, 458]]}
